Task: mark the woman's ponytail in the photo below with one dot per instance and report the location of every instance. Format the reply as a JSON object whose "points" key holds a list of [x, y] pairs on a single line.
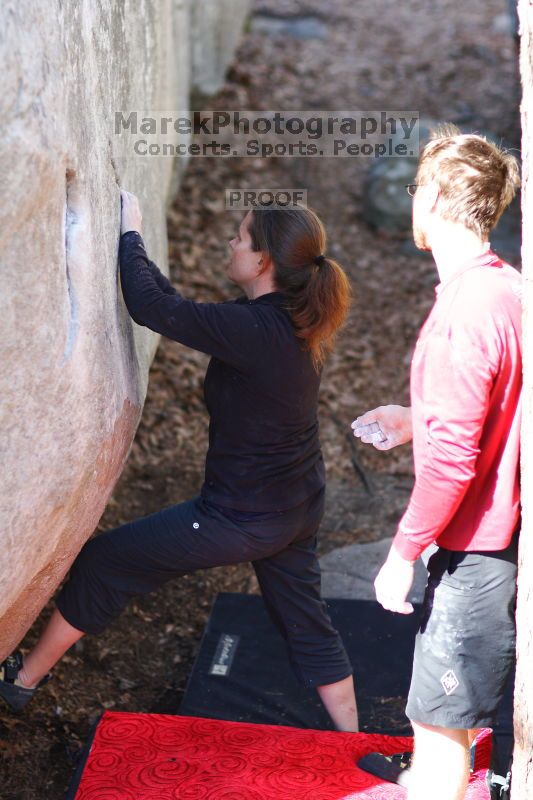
{"points": [[316, 286], [320, 308]]}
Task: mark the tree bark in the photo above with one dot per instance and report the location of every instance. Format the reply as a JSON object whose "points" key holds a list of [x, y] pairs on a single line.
{"points": [[522, 788]]}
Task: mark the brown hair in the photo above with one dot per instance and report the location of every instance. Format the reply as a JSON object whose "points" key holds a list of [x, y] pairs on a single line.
{"points": [[318, 294], [476, 178]]}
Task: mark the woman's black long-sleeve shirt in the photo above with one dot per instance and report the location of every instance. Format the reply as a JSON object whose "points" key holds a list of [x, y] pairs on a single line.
{"points": [[261, 389]]}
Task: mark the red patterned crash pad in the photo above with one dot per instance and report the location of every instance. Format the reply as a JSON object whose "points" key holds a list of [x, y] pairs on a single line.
{"points": [[160, 757]]}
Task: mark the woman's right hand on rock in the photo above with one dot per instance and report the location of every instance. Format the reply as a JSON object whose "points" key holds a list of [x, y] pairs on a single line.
{"points": [[385, 427], [131, 217]]}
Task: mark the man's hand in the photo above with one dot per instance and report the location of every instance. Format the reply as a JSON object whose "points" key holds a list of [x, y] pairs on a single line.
{"points": [[394, 582], [131, 217], [385, 427]]}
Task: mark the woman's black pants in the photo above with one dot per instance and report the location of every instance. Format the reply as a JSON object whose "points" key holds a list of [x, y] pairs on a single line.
{"points": [[138, 557]]}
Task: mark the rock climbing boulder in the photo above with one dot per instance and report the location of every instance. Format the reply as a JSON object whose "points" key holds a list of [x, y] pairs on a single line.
{"points": [[74, 365]]}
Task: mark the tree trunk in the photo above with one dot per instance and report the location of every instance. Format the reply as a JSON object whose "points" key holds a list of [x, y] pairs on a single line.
{"points": [[522, 788]]}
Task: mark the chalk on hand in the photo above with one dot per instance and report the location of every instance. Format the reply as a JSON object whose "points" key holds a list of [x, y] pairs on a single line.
{"points": [[372, 430]]}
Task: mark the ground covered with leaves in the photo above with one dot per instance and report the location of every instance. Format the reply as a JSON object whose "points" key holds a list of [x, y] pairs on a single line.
{"points": [[449, 60]]}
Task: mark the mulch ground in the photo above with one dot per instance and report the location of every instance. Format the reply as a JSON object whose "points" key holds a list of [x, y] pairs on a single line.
{"points": [[447, 59]]}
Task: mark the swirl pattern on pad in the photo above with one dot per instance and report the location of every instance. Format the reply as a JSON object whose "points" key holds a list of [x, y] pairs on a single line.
{"points": [[159, 757]]}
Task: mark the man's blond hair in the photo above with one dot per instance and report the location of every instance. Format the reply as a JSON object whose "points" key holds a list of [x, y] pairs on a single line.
{"points": [[477, 179]]}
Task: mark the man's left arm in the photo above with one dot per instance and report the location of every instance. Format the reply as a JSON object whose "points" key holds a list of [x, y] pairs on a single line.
{"points": [[457, 379]]}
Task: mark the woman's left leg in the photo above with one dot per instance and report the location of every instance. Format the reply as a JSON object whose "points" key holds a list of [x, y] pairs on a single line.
{"points": [[340, 703], [290, 584]]}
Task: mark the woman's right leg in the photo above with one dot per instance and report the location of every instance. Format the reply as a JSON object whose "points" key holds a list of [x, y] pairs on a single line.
{"points": [[135, 558], [57, 638]]}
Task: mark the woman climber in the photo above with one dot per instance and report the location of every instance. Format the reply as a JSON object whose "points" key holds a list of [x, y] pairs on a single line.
{"points": [[262, 499]]}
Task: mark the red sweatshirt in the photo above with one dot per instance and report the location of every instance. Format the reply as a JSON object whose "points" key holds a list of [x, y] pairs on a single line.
{"points": [[466, 380]]}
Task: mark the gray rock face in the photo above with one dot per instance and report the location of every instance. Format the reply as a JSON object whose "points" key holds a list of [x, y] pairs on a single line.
{"points": [[216, 27], [74, 366], [349, 572], [300, 26]]}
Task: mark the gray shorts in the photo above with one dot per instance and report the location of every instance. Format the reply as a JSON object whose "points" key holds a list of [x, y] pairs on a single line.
{"points": [[465, 647]]}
